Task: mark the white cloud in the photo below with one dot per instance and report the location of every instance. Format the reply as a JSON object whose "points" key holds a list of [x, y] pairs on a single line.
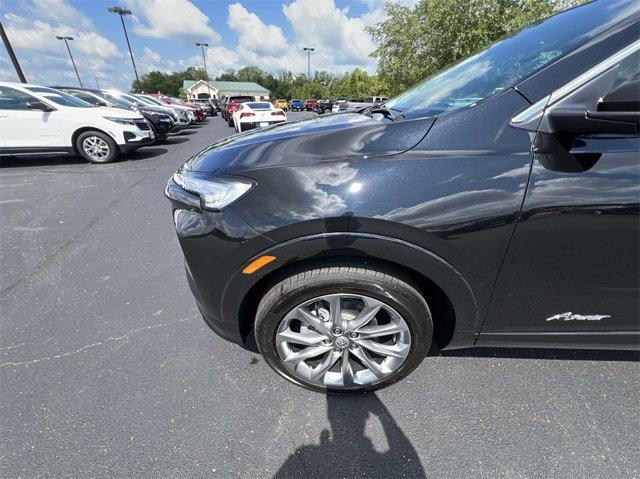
{"points": [[175, 19], [44, 59], [152, 55], [320, 24], [39, 36], [61, 12], [151, 60], [219, 59], [253, 34]]}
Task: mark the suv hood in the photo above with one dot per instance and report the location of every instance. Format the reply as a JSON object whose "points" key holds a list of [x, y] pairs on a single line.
{"points": [[338, 137], [116, 112]]}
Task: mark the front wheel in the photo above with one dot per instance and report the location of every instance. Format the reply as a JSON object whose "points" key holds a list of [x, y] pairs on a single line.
{"points": [[97, 147], [345, 328]]}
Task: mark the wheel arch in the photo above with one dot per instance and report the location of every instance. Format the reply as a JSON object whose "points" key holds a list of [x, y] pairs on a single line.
{"points": [[449, 296], [79, 131]]}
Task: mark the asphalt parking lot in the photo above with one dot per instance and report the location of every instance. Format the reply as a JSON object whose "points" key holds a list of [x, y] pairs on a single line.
{"points": [[106, 368]]}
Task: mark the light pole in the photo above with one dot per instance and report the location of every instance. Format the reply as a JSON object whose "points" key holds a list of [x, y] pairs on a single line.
{"points": [[204, 60], [123, 12], [12, 55], [308, 50], [66, 42]]}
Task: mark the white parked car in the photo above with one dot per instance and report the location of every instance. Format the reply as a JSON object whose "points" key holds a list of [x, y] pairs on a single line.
{"points": [[36, 119], [255, 114]]}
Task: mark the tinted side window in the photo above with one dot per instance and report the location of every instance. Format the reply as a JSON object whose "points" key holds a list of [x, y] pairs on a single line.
{"points": [[84, 96], [11, 99]]}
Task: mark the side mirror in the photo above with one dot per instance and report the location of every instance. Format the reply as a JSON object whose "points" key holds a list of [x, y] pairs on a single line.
{"points": [[577, 121], [625, 97], [38, 105]]}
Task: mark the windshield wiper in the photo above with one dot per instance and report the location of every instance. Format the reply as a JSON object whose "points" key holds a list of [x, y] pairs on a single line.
{"points": [[381, 110]]}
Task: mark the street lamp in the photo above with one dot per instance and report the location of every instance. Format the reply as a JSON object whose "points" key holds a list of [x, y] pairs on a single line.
{"points": [[66, 42], [123, 12], [204, 60], [308, 50]]}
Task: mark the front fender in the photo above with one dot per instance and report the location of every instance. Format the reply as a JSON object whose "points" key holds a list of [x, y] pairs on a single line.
{"points": [[240, 289]]}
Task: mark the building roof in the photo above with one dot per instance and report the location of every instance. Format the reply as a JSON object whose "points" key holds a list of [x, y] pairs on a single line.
{"points": [[240, 86]]}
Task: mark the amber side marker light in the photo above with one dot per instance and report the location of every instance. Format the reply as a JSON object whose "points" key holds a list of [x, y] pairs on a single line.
{"points": [[256, 264]]}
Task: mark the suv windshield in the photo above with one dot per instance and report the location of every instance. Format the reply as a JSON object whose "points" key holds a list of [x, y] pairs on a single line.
{"points": [[508, 61], [151, 101], [119, 101], [58, 97]]}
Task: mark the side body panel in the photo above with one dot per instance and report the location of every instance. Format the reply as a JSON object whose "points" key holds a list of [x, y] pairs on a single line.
{"points": [[576, 249]]}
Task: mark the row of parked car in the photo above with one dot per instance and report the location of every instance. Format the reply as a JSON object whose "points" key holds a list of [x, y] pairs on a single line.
{"points": [[97, 124], [327, 105]]}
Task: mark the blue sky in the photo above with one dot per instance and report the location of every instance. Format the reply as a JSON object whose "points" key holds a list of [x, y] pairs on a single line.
{"points": [[265, 33]]}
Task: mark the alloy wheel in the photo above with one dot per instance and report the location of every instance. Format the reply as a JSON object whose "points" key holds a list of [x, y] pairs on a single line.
{"points": [[343, 341], [96, 148]]}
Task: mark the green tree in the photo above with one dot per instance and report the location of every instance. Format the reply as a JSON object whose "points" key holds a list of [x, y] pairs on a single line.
{"points": [[167, 83], [416, 42]]}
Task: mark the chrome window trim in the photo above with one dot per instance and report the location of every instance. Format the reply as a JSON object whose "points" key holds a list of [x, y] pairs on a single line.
{"points": [[537, 109]]}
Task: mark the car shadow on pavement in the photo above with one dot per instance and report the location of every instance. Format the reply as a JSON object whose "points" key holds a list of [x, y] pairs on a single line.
{"points": [[545, 353], [174, 140], [59, 160], [191, 131], [39, 160], [345, 450], [145, 153]]}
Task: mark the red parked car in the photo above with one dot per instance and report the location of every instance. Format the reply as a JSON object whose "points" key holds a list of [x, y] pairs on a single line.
{"points": [[232, 104], [310, 105], [197, 111]]}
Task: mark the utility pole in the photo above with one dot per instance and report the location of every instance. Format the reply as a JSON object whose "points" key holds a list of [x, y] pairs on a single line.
{"points": [[97, 84], [12, 55], [204, 61], [66, 42], [124, 12]]}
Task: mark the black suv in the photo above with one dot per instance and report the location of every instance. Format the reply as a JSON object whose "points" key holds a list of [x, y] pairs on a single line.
{"points": [[495, 204], [324, 106]]}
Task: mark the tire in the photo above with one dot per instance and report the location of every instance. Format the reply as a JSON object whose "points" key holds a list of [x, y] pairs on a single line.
{"points": [[158, 138], [327, 110], [354, 282], [105, 150]]}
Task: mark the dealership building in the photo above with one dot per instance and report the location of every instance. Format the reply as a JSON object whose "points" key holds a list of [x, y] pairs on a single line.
{"points": [[217, 89]]}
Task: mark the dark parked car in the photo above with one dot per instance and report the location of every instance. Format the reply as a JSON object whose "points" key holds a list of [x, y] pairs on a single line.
{"points": [[162, 122], [310, 105], [324, 106], [495, 204]]}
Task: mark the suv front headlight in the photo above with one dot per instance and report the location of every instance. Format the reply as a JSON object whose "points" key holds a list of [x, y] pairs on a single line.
{"points": [[122, 121], [215, 193]]}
